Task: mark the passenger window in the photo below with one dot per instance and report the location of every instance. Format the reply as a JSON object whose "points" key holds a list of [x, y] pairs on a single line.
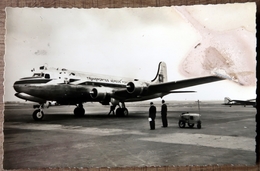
{"points": [[47, 76]]}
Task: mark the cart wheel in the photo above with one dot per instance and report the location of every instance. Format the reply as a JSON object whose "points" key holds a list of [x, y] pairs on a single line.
{"points": [[181, 124], [199, 125]]}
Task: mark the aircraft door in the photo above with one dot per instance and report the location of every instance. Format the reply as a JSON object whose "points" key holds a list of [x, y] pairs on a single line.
{"points": [[63, 75]]}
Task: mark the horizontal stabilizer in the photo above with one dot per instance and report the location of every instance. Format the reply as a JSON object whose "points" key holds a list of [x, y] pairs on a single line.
{"points": [[182, 91]]}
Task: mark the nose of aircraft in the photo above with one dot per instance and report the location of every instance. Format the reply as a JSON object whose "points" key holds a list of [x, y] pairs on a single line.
{"points": [[17, 86]]}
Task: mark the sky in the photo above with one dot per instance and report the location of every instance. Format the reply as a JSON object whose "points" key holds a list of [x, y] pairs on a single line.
{"points": [[194, 41]]}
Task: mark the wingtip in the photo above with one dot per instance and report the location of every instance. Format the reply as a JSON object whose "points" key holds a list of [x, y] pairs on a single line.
{"points": [[223, 75]]}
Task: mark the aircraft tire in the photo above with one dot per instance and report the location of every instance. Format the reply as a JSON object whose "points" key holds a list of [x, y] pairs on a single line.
{"points": [[79, 112], [191, 125], [181, 124], [124, 112], [119, 111], [38, 115]]}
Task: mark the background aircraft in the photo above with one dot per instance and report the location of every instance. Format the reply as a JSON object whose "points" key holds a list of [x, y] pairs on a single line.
{"points": [[228, 101], [67, 87]]}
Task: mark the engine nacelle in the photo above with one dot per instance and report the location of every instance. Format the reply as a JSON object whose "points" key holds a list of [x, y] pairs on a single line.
{"points": [[135, 87], [99, 93], [114, 101]]}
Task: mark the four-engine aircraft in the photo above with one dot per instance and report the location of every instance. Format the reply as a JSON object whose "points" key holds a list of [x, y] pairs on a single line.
{"points": [[66, 87], [228, 101]]}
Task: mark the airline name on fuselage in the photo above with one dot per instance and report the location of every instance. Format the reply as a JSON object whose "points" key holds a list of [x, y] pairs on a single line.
{"points": [[96, 79]]}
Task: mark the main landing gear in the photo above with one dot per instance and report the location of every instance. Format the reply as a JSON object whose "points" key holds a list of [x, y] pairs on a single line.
{"points": [[38, 113], [122, 111], [79, 111]]}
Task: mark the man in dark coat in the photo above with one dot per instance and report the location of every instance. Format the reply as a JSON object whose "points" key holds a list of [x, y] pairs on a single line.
{"points": [[164, 114], [112, 109], [152, 115]]}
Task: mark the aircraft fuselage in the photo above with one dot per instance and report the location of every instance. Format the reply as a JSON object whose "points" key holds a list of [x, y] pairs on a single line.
{"points": [[74, 88]]}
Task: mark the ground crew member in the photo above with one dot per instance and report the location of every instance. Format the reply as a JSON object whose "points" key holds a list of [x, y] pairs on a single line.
{"points": [[152, 115], [164, 114], [112, 109]]}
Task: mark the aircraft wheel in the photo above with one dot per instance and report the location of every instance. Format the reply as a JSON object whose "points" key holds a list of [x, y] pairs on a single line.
{"points": [[191, 125], [38, 115], [79, 112], [119, 111], [124, 112], [181, 124]]}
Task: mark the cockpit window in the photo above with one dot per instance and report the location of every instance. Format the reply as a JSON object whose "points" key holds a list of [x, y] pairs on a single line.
{"points": [[41, 75]]}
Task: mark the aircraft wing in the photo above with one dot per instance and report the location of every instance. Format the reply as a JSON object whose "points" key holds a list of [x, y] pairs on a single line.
{"points": [[168, 86], [164, 88]]}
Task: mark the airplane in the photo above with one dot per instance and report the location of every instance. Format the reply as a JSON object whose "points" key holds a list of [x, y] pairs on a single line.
{"points": [[228, 101], [67, 87]]}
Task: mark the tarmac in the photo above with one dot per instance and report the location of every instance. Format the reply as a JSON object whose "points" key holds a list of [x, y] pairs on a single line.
{"points": [[61, 140]]}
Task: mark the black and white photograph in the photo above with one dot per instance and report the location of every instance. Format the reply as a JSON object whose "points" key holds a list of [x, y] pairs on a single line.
{"points": [[130, 87]]}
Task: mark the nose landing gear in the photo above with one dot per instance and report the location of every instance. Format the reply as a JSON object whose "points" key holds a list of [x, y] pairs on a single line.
{"points": [[38, 113]]}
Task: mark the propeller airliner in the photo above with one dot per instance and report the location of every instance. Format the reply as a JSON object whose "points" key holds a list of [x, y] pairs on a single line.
{"points": [[229, 102], [66, 87]]}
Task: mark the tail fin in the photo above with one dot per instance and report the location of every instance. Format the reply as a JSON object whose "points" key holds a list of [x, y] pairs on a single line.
{"points": [[227, 100], [161, 75]]}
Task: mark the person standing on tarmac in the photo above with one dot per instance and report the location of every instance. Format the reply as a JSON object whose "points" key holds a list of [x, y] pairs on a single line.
{"points": [[164, 114], [112, 109], [152, 115]]}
